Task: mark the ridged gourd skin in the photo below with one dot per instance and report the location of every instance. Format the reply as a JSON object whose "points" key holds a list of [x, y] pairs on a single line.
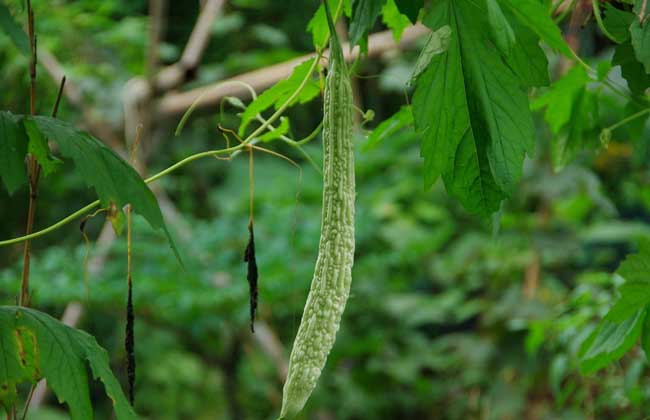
{"points": [[330, 285]]}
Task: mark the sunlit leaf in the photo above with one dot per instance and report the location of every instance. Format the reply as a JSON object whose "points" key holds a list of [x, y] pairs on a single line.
{"points": [[394, 19]]}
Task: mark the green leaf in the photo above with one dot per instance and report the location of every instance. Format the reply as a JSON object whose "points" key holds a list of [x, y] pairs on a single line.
{"points": [[645, 338], [13, 148], [617, 22], [640, 34], [478, 129], [560, 98], [502, 33], [280, 93], [40, 150], [636, 267], [36, 346], [364, 15], [318, 23], [604, 67], [279, 131], [609, 342], [394, 19], [527, 59], [399, 120], [437, 43], [13, 30], [535, 15], [18, 364], [114, 180], [571, 112], [633, 72], [634, 296], [410, 8]]}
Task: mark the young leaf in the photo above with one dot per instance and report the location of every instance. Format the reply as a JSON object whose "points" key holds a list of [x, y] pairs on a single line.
{"points": [[280, 93], [280, 130], [364, 15], [318, 23], [479, 129], [410, 8], [640, 33], [395, 20], [572, 114], [609, 342], [560, 98], [40, 346], [534, 14], [400, 119], [114, 180], [13, 148], [40, 150], [13, 30]]}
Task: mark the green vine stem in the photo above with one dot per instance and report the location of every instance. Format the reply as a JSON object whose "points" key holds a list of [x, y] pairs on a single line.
{"points": [[180, 163], [628, 119], [599, 20]]}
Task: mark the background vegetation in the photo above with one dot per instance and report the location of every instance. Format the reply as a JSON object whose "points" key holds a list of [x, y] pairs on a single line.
{"points": [[449, 318]]}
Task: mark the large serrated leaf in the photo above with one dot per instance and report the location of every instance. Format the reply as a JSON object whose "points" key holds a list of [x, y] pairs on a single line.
{"points": [[478, 129], [500, 29], [114, 180], [59, 354], [13, 148]]}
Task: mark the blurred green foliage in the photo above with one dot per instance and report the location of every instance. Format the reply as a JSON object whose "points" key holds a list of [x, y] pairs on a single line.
{"points": [[448, 318]]}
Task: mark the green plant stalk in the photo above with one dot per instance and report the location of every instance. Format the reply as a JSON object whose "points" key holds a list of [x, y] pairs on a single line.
{"points": [[628, 119], [599, 20], [178, 164]]}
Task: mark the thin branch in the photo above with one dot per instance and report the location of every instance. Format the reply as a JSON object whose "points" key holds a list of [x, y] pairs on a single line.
{"points": [[74, 97], [177, 103], [33, 168], [174, 75]]}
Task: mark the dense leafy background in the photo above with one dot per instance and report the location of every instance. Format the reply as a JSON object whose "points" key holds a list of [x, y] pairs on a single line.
{"points": [[449, 317]]}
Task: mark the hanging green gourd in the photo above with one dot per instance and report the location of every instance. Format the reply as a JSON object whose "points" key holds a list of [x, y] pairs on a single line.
{"points": [[330, 285]]}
